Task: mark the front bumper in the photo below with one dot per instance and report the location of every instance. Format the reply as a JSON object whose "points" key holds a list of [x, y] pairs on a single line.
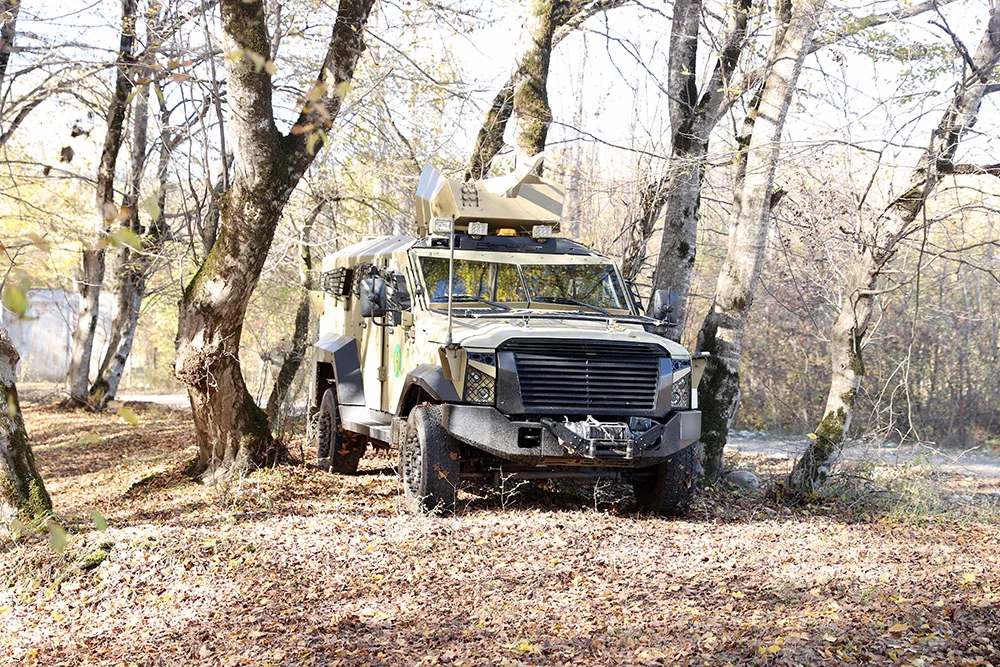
{"points": [[550, 442]]}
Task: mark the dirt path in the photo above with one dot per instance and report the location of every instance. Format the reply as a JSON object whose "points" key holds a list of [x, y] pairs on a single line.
{"points": [[975, 462]]}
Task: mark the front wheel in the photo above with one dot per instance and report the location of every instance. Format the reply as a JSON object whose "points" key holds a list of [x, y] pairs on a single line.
{"points": [[670, 488], [429, 463], [336, 450]]}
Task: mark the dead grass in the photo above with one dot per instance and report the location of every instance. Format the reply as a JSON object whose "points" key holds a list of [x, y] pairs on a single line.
{"points": [[297, 566]]}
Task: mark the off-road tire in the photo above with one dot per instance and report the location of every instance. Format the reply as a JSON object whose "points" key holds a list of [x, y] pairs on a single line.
{"points": [[428, 463], [336, 450], [670, 488]]}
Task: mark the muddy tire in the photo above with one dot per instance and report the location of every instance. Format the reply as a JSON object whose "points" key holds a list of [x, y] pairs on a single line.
{"points": [[670, 488], [428, 463], [336, 450]]}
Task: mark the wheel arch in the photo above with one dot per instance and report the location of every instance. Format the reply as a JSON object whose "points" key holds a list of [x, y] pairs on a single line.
{"points": [[337, 363], [425, 384]]}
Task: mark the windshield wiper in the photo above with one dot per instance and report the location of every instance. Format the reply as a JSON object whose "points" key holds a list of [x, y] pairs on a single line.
{"points": [[573, 302], [472, 297]]}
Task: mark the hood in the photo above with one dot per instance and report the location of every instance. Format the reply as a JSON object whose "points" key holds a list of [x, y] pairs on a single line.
{"points": [[489, 333]]}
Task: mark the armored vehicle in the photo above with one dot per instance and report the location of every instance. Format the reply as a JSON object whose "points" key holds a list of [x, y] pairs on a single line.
{"points": [[486, 347]]}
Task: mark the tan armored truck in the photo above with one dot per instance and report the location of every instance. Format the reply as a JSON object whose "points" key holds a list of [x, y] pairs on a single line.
{"points": [[486, 347]]}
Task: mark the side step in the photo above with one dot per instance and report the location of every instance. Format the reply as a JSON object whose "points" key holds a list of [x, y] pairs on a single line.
{"points": [[359, 419]]}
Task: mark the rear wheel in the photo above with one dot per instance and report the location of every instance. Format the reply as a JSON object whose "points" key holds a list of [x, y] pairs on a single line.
{"points": [[336, 450], [429, 463], [670, 487]]}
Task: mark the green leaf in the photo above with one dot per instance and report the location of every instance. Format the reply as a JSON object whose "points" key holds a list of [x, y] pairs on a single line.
{"points": [[151, 206], [57, 537], [15, 301], [99, 521], [128, 416], [125, 236]]}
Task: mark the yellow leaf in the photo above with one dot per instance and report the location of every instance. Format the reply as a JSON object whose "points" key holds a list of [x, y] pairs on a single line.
{"points": [[343, 89], [899, 627], [128, 416], [773, 648], [317, 92], [968, 577], [14, 300], [269, 67], [57, 536], [812, 436], [39, 242]]}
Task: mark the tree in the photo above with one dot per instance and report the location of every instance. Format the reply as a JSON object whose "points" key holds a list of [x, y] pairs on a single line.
{"points": [[292, 360], [721, 333], [93, 261], [879, 243], [232, 430], [694, 114], [22, 492], [524, 97]]}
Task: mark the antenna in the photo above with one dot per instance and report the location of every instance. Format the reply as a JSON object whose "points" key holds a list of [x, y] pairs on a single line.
{"points": [[451, 276]]}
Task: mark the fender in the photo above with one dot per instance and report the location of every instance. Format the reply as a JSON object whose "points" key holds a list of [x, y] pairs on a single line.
{"points": [[430, 378], [341, 352]]}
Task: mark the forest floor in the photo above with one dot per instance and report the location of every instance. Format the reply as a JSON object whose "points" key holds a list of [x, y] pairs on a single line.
{"points": [[292, 565]]}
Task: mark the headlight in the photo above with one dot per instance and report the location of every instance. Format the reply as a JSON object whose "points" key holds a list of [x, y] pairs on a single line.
{"points": [[479, 387], [680, 399]]}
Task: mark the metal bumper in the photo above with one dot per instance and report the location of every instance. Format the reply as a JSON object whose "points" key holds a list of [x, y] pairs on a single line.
{"points": [[547, 441]]}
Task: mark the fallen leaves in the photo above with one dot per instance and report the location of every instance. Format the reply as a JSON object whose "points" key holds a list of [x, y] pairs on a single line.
{"points": [[298, 566]]}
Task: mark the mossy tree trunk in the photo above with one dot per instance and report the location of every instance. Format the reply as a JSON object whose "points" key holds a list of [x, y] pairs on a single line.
{"points": [[548, 24], [22, 492], [233, 432], [93, 261], [877, 245], [722, 331]]}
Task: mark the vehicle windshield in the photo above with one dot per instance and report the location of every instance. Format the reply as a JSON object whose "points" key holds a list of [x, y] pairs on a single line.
{"points": [[590, 286]]}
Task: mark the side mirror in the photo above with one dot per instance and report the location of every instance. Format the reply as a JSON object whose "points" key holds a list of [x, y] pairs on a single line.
{"points": [[372, 296], [661, 304]]}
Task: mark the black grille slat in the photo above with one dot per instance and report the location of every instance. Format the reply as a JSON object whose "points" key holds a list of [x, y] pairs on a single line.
{"points": [[580, 377]]}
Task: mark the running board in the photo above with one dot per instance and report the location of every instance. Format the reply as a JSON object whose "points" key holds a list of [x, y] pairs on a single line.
{"points": [[359, 419]]}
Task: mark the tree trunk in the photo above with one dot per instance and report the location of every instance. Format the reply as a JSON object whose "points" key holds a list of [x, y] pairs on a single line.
{"points": [[300, 338], [8, 29], [532, 114], [722, 331], [876, 248], [22, 492], [693, 117], [92, 269], [132, 267], [232, 430], [542, 32]]}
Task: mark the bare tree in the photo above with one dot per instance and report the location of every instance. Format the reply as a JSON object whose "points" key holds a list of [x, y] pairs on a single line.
{"points": [[292, 360], [722, 331], [232, 430], [93, 262], [878, 244]]}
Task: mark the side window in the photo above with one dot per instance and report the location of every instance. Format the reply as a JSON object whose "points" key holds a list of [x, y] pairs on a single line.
{"points": [[509, 285]]}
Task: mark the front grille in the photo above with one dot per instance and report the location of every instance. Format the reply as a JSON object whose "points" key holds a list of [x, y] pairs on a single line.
{"points": [[586, 377]]}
